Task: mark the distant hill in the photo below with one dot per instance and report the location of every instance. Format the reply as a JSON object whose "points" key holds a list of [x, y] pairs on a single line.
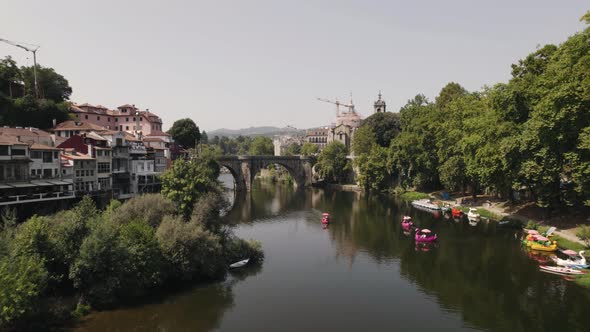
{"points": [[254, 131]]}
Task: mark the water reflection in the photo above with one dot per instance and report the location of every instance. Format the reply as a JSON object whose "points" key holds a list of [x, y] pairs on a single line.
{"points": [[362, 272]]}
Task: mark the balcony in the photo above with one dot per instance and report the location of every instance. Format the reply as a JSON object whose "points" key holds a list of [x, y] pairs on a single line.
{"points": [[40, 197]]}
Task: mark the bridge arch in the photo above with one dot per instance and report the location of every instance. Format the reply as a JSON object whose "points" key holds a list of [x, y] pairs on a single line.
{"points": [[244, 168]]}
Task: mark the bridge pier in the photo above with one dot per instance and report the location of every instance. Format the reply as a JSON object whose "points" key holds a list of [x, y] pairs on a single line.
{"points": [[245, 168]]}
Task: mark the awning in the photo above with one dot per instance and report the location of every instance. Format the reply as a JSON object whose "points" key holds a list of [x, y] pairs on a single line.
{"points": [[41, 183], [4, 186], [58, 182], [21, 184]]}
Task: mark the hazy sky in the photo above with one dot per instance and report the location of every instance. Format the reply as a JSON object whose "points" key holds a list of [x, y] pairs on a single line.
{"points": [[237, 64]]}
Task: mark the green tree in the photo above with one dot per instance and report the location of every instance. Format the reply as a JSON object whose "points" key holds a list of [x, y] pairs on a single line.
{"points": [[309, 149], [261, 146], [374, 175], [97, 271], [10, 78], [185, 132], [293, 149], [22, 280], [187, 180], [204, 138], [363, 141], [191, 251], [52, 86], [449, 92], [385, 125], [332, 163]]}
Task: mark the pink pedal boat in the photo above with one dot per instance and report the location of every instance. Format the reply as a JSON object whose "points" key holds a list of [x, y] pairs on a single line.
{"points": [[407, 223], [325, 218], [424, 235]]}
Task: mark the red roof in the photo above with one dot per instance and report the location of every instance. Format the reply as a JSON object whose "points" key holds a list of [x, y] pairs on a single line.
{"points": [[76, 125], [38, 146]]}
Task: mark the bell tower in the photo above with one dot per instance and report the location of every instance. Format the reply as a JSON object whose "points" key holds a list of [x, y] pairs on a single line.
{"points": [[379, 105]]}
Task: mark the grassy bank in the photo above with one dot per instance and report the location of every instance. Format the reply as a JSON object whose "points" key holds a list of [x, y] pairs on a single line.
{"points": [[413, 195], [484, 213]]}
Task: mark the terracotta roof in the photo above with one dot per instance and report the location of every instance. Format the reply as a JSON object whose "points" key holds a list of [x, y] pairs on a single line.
{"points": [[127, 106], [23, 132], [130, 137], [95, 136], [158, 133], [38, 146], [9, 140], [76, 156], [76, 125]]}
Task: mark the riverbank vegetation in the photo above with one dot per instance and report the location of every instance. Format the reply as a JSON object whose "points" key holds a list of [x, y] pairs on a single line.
{"points": [[527, 138], [103, 258]]}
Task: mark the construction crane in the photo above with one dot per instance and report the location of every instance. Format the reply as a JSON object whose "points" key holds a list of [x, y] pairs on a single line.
{"points": [[33, 50], [350, 105]]}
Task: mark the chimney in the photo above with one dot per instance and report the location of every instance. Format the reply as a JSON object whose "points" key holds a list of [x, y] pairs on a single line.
{"points": [[54, 123]]}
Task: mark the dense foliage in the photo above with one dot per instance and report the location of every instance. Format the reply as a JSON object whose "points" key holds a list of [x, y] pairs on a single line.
{"points": [[18, 105], [244, 145], [185, 132], [113, 255], [332, 164], [528, 136], [309, 149]]}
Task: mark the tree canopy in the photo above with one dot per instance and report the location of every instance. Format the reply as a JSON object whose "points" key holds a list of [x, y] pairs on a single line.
{"points": [[185, 132]]}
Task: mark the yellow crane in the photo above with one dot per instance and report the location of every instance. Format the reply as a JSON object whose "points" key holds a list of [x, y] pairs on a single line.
{"points": [[30, 48]]}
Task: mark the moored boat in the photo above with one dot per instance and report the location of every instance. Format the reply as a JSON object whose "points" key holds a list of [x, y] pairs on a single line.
{"points": [[561, 270], [426, 204], [424, 235], [239, 264], [407, 223], [456, 212], [544, 246], [325, 218], [571, 261]]}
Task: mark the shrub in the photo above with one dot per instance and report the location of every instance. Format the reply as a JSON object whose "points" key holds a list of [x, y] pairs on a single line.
{"points": [[22, 279], [532, 225], [584, 234], [190, 250], [237, 249], [99, 269], [207, 208], [150, 208], [146, 264]]}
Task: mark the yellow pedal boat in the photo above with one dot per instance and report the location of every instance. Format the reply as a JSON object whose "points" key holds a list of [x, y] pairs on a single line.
{"points": [[542, 247]]}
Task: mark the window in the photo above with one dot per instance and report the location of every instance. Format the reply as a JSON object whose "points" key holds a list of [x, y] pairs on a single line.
{"points": [[91, 172], [33, 172], [140, 119], [108, 119], [47, 173], [104, 167], [98, 118], [119, 141], [116, 119], [18, 152], [126, 127], [78, 173], [85, 116], [55, 155], [36, 155], [55, 171], [77, 115], [48, 157], [126, 119], [133, 119]]}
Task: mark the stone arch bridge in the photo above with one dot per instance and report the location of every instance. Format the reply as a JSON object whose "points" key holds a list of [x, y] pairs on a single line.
{"points": [[244, 168]]}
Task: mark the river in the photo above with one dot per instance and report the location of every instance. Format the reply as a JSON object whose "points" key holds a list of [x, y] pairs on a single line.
{"points": [[363, 273]]}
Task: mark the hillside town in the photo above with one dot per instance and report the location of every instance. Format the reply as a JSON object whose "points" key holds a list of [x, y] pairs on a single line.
{"points": [[116, 153]]}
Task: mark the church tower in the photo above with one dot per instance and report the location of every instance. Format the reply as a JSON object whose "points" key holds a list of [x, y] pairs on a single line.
{"points": [[379, 105]]}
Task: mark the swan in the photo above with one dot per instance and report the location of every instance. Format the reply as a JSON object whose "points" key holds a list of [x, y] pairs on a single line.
{"points": [[571, 262]]}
